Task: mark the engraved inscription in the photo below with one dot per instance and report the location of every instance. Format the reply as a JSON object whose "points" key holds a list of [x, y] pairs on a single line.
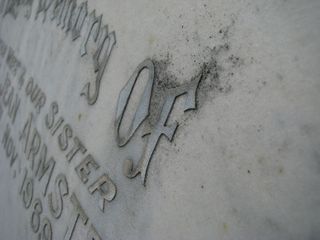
{"points": [[188, 89], [143, 108], [75, 18], [30, 148], [44, 137]]}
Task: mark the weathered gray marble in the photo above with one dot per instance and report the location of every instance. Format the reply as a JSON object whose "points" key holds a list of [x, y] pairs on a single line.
{"points": [[172, 120]]}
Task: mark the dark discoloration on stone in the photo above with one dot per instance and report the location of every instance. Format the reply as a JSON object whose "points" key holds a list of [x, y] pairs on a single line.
{"points": [[225, 31], [164, 80], [217, 65], [214, 77]]}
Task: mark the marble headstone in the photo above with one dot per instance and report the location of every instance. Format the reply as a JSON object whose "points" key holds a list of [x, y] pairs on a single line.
{"points": [[153, 120]]}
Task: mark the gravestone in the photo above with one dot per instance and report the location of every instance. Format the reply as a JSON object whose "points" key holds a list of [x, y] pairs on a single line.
{"points": [[159, 120]]}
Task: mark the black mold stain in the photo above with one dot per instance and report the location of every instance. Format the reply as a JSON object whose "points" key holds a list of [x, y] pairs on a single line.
{"points": [[164, 80], [217, 65]]}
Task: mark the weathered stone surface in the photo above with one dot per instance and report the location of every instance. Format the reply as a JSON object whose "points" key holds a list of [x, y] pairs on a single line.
{"points": [[159, 120]]}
